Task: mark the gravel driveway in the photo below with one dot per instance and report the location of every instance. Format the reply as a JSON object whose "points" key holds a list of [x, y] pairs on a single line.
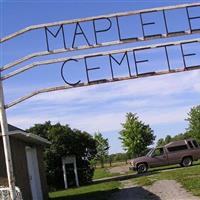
{"points": [[160, 190], [119, 169]]}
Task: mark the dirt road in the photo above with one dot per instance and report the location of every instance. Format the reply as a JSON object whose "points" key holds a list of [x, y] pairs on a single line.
{"points": [[160, 190], [133, 192], [119, 169]]}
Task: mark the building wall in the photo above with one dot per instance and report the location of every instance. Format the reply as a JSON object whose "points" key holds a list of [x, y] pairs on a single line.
{"points": [[42, 171], [2, 163], [20, 166]]}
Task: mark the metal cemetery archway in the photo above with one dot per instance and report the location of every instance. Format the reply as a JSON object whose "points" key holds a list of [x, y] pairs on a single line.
{"points": [[110, 55]]}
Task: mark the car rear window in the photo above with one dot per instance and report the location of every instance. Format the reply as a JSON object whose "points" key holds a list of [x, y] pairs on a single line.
{"points": [[177, 148], [195, 143], [190, 144]]}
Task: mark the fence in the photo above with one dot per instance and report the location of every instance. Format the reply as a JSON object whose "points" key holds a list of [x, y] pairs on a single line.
{"points": [[5, 193]]}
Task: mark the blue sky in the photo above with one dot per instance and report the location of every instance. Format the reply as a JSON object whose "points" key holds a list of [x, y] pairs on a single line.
{"points": [[161, 101]]}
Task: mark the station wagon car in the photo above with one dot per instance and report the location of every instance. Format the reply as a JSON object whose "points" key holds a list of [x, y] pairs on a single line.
{"points": [[182, 152]]}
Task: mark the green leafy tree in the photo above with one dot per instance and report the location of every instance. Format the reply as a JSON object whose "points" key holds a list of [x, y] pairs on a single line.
{"points": [[181, 136], [194, 123], [119, 157], [160, 142], [64, 142], [168, 138], [102, 148], [135, 135]]}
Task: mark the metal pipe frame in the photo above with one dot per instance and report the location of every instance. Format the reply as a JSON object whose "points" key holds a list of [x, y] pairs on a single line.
{"points": [[6, 145], [58, 60], [105, 44], [65, 87], [120, 14]]}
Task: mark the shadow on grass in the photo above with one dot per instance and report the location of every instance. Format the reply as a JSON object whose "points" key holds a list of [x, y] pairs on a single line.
{"points": [[171, 167], [152, 171], [132, 193], [124, 177], [98, 195]]}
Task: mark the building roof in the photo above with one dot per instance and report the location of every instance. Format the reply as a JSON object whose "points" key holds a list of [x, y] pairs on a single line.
{"points": [[28, 137], [12, 128]]}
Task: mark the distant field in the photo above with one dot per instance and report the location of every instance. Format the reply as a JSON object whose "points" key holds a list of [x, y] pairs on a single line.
{"points": [[114, 164], [105, 172]]}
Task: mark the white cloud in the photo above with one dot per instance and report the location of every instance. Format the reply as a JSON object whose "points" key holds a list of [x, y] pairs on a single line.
{"points": [[197, 87], [162, 86], [103, 121], [163, 100], [166, 116]]}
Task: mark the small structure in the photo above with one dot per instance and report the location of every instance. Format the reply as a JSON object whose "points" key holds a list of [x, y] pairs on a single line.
{"points": [[70, 171], [27, 155]]}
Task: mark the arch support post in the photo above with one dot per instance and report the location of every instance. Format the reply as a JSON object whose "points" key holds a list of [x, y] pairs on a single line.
{"points": [[6, 145]]}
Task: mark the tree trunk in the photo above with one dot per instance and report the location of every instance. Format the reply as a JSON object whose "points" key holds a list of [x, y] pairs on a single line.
{"points": [[102, 163]]}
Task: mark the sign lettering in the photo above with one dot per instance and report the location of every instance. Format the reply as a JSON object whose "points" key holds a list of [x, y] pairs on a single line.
{"points": [[120, 28], [137, 62]]}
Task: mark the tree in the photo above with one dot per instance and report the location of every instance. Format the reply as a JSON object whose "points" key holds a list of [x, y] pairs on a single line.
{"points": [[135, 135], [168, 138], [194, 123], [64, 142], [160, 142], [102, 148], [181, 136]]}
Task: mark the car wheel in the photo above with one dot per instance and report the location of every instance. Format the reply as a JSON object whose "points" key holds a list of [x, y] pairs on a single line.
{"points": [[186, 162], [141, 168], [181, 164]]}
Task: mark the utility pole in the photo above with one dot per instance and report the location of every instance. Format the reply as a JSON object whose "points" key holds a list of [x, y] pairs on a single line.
{"points": [[6, 144]]}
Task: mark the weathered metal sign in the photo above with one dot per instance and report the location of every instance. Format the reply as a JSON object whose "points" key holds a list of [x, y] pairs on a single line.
{"points": [[161, 18], [133, 61], [107, 30], [149, 24], [129, 60]]}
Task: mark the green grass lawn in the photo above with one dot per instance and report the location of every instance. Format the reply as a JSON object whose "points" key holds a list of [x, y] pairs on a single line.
{"points": [[101, 191], [114, 164], [189, 177], [103, 173]]}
